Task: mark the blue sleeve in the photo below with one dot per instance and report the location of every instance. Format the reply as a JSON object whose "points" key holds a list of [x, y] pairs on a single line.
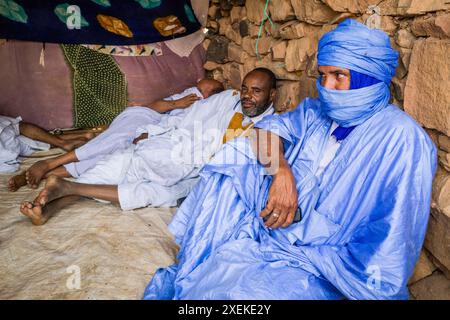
{"points": [[291, 126], [381, 252], [183, 215]]}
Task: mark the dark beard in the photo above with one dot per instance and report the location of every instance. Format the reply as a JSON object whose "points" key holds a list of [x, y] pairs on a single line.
{"points": [[255, 111]]}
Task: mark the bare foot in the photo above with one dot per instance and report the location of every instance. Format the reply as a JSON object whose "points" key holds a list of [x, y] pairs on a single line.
{"points": [[35, 212], [73, 144], [77, 136], [54, 189], [39, 211], [35, 173], [16, 182], [89, 136]]}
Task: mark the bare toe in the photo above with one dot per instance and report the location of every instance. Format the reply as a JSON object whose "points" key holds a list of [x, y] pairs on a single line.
{"points": [[42, 198], [25, 206], [16, 182], [11, 184]]}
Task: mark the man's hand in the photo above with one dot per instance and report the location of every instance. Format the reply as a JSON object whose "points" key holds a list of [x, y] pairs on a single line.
{"points": [[185, 101], [163, 106], [283, 197], [141, 137]]}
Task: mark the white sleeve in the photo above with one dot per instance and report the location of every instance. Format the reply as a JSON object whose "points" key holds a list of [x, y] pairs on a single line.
{"points": [[183, 94]]}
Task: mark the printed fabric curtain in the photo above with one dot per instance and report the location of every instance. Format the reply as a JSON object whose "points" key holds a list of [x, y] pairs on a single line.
{"points": [[105, 22]]}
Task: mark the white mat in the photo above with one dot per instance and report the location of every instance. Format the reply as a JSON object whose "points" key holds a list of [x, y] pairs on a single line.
{"points": [[114, 253]]}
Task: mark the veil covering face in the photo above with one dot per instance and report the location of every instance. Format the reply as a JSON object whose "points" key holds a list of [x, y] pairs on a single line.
{"points": [[368, 54]]}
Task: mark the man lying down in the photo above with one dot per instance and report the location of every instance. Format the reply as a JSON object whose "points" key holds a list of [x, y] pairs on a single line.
{"points": [[163, 167], [19, 138], [359, 169], [119, 135]]}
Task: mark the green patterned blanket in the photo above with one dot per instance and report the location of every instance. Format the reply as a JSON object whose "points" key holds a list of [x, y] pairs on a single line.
{"points": [[99, 87]]}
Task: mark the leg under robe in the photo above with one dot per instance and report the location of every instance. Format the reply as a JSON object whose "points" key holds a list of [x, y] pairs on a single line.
{"points": [[153, 180], [119, 135]]}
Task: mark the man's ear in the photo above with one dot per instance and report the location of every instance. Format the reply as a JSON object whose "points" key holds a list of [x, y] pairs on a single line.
{"points": [[273, 94]]}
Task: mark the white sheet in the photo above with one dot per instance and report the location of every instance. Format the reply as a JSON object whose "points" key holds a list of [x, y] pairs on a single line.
{"points": [[115, 251], [13, 145]]}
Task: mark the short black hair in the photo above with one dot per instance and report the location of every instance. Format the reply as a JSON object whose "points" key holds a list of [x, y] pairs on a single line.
{"points": [[218, 89], [270, 74]]}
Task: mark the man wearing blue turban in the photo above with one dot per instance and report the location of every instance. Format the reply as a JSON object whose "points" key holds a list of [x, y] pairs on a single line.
{"points": [[357, 169]]}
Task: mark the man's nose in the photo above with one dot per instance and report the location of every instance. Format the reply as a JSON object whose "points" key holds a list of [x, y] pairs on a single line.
{"points": [[329, 83], [246, 94]]}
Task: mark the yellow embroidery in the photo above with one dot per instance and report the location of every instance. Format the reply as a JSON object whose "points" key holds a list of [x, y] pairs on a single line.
{"points": [[236, 129]]}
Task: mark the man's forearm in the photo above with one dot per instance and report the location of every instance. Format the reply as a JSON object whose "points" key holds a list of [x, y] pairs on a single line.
{"points": [[163, 106], [269, 150], [281, 206]]}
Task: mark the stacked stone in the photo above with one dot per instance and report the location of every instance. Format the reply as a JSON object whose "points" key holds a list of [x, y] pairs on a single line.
{"points": [[287, 44]]}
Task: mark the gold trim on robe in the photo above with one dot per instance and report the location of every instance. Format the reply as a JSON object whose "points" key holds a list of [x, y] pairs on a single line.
{"points": [[236, 129]]}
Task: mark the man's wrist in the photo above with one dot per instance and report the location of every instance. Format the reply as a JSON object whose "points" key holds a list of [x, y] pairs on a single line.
{"points": [[283, 167], [283, 163]]}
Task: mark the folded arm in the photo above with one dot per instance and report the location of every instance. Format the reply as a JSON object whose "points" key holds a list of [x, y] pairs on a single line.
{"points": [[282, 202], [163, 106]]}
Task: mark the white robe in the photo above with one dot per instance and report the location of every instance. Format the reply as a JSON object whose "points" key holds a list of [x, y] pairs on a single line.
{"points": [[163, 168], [121, 133], [13, 144]]}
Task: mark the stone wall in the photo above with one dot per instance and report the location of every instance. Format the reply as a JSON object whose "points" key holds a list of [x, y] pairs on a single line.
{"points": [[287, 44]]}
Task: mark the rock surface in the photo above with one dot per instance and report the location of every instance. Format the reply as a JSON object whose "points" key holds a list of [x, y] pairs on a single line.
{"points": [[427, 91]]}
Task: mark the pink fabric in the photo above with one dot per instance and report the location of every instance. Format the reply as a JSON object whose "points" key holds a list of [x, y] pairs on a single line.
{"points": [[156, 77], [43, 95], [40, 95]]}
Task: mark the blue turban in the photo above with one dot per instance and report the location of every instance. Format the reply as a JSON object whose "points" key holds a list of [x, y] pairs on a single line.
{"points": [[354, 46], [360, 49]]}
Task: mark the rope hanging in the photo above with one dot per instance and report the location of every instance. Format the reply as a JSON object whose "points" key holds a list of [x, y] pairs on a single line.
{"points": [[265, 16]]}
